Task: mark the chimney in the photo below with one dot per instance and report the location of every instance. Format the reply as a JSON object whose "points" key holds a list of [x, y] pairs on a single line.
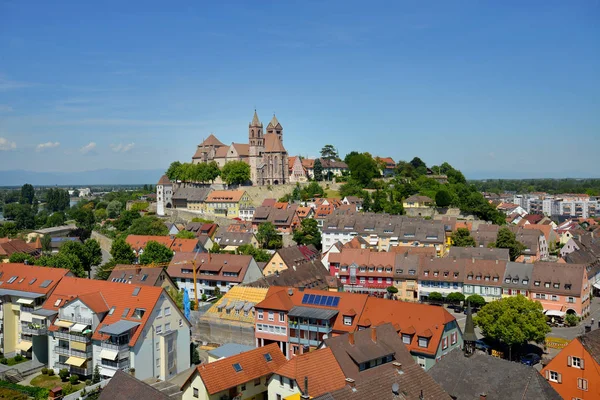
{"points": [[397, 366], [305, 395], [483, 396], [351, 338], [473, 260], [374, 335], [351, 382], [301, 288]]}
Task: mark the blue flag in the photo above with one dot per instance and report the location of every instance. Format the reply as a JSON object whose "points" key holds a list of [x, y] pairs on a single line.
{"points": [[186, 304]]}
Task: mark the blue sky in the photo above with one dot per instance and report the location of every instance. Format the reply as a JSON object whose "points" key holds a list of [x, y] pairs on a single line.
{"points": [[505, 88]]}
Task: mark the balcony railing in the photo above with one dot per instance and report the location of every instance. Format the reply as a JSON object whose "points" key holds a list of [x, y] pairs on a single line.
{"points": [[114, 346], [304, 341], [61, 366], [124, 364], [65, 351], [26, 309], [71, 336], [81, 371], [42, 330], [76, 318]]}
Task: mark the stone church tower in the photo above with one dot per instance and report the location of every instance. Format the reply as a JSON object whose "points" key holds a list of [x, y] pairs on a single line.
{"points": [[256, 148]]}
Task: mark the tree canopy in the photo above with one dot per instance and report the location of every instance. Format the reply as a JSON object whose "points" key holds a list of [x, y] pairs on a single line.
{"points": [[121, 252], [513, 320], [259, 255], [155, 253], [462, 238], [235, 172], [476, 300], [308, 233], [363, 168], [27, 194], [185, 235], [506, 239], [443, 198], [268, 236], [329, 152], [318, 170], [148, 225]]}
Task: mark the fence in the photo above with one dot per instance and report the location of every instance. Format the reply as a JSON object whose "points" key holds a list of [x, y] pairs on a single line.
{"points": [[88, 390], [209, 330]]}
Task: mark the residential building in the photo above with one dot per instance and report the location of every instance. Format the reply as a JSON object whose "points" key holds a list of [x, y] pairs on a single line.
{"points": [[387, 166], [288, 257], [441, 275], [406, 276], [575, 371], [191, 198], [429, 332], [484, 277], [285, 218], [124, 386], [331, 168], [377, 365], [116, 327], [310, 374], [164, 195], [479, 253], [297, 172], [363, 270], [56, 231], [142, 275], [536, 246], [57, 242], [236, 306], [561, 287], [416, 201], [177, 245], [227, 203], [222, 271], [484, 234], [484, 377], [202, 228], [243, 376], [9, 247], [353, 200], [311, 274], [305, 212], [227, 350], [230, 241], [517, 279], [584, 208], [23, 322]]}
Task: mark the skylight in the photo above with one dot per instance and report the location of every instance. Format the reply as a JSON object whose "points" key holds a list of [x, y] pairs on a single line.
{"points": [[144, 277], [125, 312], [33, 280], [46, 283], [136, 291], [237, 367], [112, 310], [268, 357], [12, 279], [57, 302]]}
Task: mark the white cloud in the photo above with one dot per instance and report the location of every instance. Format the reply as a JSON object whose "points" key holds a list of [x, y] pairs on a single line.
{"points": [[5, 109], [90, 147], [47, 145], [6, 145], [122, 148]]}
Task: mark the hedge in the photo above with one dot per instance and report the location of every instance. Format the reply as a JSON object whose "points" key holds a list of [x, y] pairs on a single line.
{"points": [[35, 392]]}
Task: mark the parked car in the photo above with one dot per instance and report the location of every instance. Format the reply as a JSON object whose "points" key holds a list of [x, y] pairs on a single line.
{"points": [[531, 359], [481, 345]]}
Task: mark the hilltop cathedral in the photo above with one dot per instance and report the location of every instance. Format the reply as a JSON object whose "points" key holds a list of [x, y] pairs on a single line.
{"points": [[264, 152]]}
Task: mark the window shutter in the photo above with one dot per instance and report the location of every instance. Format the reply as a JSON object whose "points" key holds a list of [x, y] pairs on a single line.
{"points": [[559, 378], [547, 374], [581, 362], [569, 361]]}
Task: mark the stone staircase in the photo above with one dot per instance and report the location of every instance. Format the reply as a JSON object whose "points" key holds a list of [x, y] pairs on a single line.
{"points": [[13, 375]]}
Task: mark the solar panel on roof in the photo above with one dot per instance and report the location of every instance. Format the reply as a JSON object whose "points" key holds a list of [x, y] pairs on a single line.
{"points": [[305, 299], [336, 301], [311, 299], [317, 299], [329, 301], [323, 300]]}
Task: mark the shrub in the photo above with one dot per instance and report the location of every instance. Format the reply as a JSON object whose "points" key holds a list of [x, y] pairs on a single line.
{"points": [[44, 371], [19, 357], [74, 379], [64, 374], [50, 372], [88, 382], [4, 360], [571, 319]]}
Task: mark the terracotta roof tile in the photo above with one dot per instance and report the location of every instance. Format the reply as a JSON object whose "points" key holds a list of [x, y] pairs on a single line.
{"points": [[30, 278], [225, 196]]}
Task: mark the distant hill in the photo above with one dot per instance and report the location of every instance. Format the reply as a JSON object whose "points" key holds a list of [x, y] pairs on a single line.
{"points": [[95, 177]]}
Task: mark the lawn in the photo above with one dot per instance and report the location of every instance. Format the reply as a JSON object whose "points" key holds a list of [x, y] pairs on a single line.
{"points": [[49, 382], [332, 194]]}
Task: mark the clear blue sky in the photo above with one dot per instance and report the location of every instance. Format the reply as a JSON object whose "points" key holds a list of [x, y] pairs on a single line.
{"points": [[496, 88]]}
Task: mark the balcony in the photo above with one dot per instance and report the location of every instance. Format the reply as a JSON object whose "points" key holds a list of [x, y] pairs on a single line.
{"points": [[61, 366], [314, 343], [114, 346], [312, 328], [33, 329], [26, 309], [71, 336], [65, 351], [81, 371], [123, 364], [76, 318]]}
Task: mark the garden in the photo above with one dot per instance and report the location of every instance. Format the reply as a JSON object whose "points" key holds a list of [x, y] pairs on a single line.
{"points": [[69, 383]]}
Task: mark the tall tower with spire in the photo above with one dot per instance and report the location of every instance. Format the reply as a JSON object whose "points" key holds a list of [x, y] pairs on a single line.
{"points": [[256, 147], [275, 127]]}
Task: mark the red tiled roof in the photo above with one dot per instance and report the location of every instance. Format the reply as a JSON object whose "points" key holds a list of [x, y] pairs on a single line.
{"points": [[102, 294], [320, 367], [221, 375], [225, 196], [10, 247], [140, 241], [210, 263], [27, 273]]}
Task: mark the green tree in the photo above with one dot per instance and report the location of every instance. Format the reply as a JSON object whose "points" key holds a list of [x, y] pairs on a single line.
{"points": [[443, 198], [155, 253], [174, 171], [21, 258], [139, 206], [455, 297], [435, 296], [185, 235], [57, 200], [318, 170], [506, 239], [513, 321], [462, 238], [104, 271], [64, 374], [476, 301], [22, 215], [56, 219], [46, 241], [177, 297], [92, 255], [66, 261], [126, 219], [235, 172], [195, 355], [113, 209], [419, 166], [27, 194], [392, 290], [84, 217], [308, 233], [149, 225], [363, 168], [328, 152], [96, 376], [100, 214], [267, 236], [121, 252], [259, 255]]}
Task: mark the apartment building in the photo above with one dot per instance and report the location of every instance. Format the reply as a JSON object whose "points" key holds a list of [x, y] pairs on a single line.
{"points": [[227, 203], [139, 242], [517, 279], [363, 270], [135, 328], [23, 321], [288, 257], [222, 271], [142, 275], [561, 288]]}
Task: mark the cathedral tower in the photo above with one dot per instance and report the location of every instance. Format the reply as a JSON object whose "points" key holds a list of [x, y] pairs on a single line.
{"points": [[256, 143], [275, 127]]}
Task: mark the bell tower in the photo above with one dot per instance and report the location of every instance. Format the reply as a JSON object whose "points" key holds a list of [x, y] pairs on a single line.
{"points": [[255, 132], [275, 127]]}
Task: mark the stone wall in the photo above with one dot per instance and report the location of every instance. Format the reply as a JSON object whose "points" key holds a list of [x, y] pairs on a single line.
{"points": [[105, 242]]}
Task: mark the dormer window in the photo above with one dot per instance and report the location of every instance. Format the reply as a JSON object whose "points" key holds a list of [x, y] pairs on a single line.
{"points": [[515, 280], [547, 284], [536, 283], [435, 273], [445, 274], [496, 279], [406, 338], [411, 272], [426, 273], [423, 342], [470, 277], [525, 281], [557, 285], [399, 271], [347, 320], [478, 277], [567, 286], [487, 278], [455, 275]]}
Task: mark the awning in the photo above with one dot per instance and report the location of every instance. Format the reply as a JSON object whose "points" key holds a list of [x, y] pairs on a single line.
{"points": [[119, 327], [25, 301], [109, 354], [75, 361], [597, 285], [81, 346], [63, 324], [309, 312], [552, 306], [555, 313], [25, 346], [78, 327]]}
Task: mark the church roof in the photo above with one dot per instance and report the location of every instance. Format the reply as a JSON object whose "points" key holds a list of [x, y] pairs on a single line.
{"points": [[243, 149], [273, 144], [211, 141], [255, 120], [274, 122], [164, 180]]}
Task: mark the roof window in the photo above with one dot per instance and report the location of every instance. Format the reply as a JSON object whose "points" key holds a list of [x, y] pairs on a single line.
{"points": [[237, 367]]}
